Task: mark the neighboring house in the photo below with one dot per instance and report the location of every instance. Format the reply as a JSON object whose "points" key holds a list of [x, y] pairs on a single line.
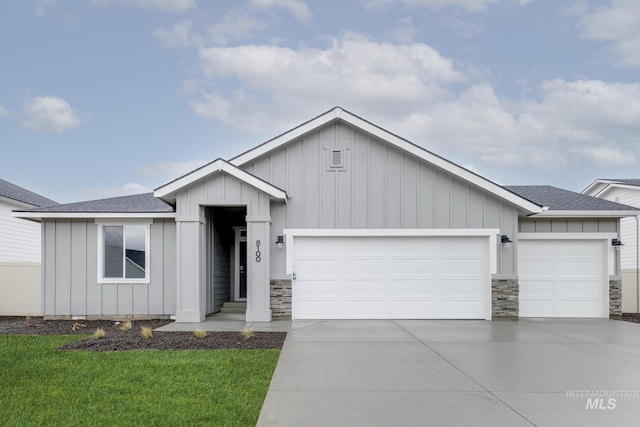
{"points": [[625, 191], [20, 288], [336, 218]]}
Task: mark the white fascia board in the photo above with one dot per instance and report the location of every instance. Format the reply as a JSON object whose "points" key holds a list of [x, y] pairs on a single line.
{"points": [[219, 166], [287, 137], [339, 113], [585, 214], [92, 215]]}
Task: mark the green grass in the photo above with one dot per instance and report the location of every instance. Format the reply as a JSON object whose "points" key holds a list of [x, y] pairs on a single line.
{"points": [[42, 386]]}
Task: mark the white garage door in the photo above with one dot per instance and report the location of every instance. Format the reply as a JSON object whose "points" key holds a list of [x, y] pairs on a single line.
{"points": [[562, 278], [391, 277]]}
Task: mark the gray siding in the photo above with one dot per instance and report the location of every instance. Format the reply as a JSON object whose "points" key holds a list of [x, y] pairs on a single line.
{"points": [[379, 187], [219, 267], [70, 274], [220, 189], [568, 225]]}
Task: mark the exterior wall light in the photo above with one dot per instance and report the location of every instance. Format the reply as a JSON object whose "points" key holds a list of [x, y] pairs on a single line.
{"points": [[506, 241], [616, 243], [280, 242]]}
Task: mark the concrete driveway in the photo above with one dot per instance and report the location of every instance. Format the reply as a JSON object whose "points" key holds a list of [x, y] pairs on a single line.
{"points": [[544, 372]]}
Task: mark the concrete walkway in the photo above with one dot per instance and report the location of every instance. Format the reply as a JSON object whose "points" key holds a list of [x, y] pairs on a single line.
{"points": [[543, 372], [228, 322]]}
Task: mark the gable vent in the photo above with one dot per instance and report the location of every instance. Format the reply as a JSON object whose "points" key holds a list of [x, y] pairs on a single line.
{"points": [[337, 160]]}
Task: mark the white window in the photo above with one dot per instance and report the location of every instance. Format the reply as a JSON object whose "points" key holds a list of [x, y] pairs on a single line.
{"points": [[123, 253]]}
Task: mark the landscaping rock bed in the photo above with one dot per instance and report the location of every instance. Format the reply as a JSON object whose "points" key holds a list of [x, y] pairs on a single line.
{"points": [[116, 339]]}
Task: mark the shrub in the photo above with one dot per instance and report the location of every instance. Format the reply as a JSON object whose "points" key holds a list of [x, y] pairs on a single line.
{"points": [[247, 333], [146, 332], [126, 326], [200, 333], [98, 333]]}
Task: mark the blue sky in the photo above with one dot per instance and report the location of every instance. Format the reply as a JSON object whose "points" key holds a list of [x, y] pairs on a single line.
{"points": [[100, 98]]}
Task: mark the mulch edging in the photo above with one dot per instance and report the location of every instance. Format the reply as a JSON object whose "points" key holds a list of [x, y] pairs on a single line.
{"points": [[116, 339]]}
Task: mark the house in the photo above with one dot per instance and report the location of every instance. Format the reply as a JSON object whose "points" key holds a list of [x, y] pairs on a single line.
{"points": [[336, 218], [625, 191], [20, 289]]}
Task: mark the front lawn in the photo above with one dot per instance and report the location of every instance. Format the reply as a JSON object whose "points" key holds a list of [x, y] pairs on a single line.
{"points": [[40, 385]]}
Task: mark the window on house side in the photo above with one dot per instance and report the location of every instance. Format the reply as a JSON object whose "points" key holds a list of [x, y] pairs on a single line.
{"points": [[125, 251]]}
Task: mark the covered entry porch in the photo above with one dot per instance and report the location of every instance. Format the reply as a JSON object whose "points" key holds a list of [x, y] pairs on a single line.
{"points": [[222, 197]]}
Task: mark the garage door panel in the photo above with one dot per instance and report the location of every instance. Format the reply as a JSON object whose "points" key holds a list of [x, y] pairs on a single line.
{"points": [[461, 309], [454, 288], [577, 308], [418, 289], [423, 267], [391, 277], [568, 281], [579, 288], [536, 288], [365, 309], [363, 289], [536, 268], [462, 266], [536, 308], [583, 268], [317, 267]]}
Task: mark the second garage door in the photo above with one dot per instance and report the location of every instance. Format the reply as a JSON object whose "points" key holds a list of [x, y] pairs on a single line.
{"points": [[391, 277], [562, 278]]}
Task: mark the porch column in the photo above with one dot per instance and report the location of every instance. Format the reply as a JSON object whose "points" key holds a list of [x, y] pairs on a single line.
{"points": [[258, 263], [190, 301]]}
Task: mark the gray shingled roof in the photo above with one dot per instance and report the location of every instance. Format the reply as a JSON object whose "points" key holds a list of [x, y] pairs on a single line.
{"points": [[17, 193], [139, 203], [557, 199]]}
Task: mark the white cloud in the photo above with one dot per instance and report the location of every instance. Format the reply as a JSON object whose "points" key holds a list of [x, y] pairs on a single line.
{"points": [[351, 71], [49, 113], [3, 111], [178, 36], [617, 23], [468, 5], [170, 170], [41, 6], [107, 192], [405, 32], [172, 6], [297, 8]]}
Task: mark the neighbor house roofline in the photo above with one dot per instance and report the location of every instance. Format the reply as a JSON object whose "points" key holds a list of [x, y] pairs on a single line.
{"points": [[338, 113], [168, 190], [600, 187]]}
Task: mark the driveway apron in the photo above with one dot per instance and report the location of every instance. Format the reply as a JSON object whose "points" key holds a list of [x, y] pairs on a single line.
{"points": [[543, 372]]}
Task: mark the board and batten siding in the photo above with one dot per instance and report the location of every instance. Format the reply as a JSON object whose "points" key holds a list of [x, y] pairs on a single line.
{"points": [[70, 266], [380, 187]]}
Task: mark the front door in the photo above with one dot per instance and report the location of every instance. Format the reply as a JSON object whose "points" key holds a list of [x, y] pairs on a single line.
{"points": [[241, 265]]}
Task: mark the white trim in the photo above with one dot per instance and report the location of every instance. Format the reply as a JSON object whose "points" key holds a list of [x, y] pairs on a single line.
{"points": [[490, 233], [605, 237], [339, 113], [147, 254], [608, 255], [586, 214], [89, 215], [238, 238], [219, 165]]}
